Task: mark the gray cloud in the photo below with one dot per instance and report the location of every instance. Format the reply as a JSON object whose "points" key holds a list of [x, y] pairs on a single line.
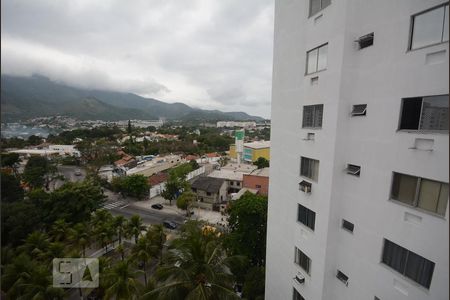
{"points": [[208, 54]]}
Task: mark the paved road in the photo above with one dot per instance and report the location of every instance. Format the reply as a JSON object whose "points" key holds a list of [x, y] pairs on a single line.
{"points": [[69, 173], [151, 216]]}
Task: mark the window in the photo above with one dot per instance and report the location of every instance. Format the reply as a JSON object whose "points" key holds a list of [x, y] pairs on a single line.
{"points": [[316, 59], [429, 27], [305, 186], [258, 186], [359, 110], [306, 216], [365, 41], [342, 277], [231, 182], [347, 225], [408, 263], [317, 5], [194, 190], [302, 260], [353, 170], [309, 168], [419, 192], [208, 194], [297, 296], [312, 116], [425, 113]]}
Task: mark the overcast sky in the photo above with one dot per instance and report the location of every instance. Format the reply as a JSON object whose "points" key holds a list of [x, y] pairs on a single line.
{"points": [[211, 54]]}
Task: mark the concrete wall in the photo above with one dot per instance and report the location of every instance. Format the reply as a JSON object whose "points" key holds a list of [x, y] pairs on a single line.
{"points": [[252, 181], [379, 76]]}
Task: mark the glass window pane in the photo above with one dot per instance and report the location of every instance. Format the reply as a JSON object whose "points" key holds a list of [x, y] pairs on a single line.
{"points": [[419, 269], [427, 28], [404, 188], [445, 33], [434, 113], [318, 113], [307, 116], [323, 53], [312, 61], [429, 194], [314, 6], [394, 256], [443, 199], [411, 113], [325, 3]]}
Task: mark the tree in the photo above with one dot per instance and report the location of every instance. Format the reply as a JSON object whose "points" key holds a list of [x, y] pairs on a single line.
{"points": [[195, 267], [59, 230], [121, 282], [10, 160], [176, 183], [135, 227], [261, 162], [11, 190], [120, 225], [247, 223], [136, 185], [80, 237], [185, 201], [36, 170], [129, 127], [74, 202], [155, 234], [254, 287], [18, 220], [194, 164], [142, 252]]}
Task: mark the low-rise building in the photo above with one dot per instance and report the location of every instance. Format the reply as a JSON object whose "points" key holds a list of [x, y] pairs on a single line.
{"points": [[252, 151], [126, 161], [258, 180], [156, 165], [233, 174], [211, 192]]}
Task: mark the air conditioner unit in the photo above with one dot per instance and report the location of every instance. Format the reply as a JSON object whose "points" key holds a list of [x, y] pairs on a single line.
{"points": [[299, 278]]}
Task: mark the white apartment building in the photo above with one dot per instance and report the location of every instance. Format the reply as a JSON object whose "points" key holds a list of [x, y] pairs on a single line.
{"points": [[358, 195]]}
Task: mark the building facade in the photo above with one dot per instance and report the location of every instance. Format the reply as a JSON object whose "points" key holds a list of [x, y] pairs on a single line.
{"points": [[257, 180], [252, 151], [358, 197]]}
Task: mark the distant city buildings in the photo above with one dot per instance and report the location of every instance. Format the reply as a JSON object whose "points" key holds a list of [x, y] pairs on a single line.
{"points": [[244, 124]]}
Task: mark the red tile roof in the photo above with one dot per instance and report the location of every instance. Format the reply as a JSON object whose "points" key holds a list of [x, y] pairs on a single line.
{"points": [[158, 178]]}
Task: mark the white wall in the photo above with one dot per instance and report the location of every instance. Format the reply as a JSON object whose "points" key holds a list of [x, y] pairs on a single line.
{"points": [[379, 76]]}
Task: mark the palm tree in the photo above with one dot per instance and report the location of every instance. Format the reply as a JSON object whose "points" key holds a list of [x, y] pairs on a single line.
{"points": [[135, 227], [80, 237], [59, 230], [121, 282], [36, 244], [120, 225], [157, 237], [196, 267], [142, 252], [37, 284]]}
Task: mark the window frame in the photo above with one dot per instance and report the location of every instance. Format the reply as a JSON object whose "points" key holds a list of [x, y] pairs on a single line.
{"points": [[415, 201], [296, 294], [342, 277], [403, 273], [312, 163], [314, 121], [411, 27], [349, 172], [344, 221], [311, 14], [355, 113], [444, 131], [317, 61], [298, 255], [310, 215]]}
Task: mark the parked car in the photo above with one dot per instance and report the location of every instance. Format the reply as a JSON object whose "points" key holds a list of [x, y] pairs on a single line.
{"points": [[170, 224], [157, 206], [78, 172]]}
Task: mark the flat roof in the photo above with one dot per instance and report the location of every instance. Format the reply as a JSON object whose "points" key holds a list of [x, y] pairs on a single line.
{"points": [[264, 172], [227, 174], [258, 145], [242, 167], [35, 151]]}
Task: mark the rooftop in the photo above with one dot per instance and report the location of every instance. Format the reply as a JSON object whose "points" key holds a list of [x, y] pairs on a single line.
{"points": [[208, 184], [264, 172], [258, 145]]}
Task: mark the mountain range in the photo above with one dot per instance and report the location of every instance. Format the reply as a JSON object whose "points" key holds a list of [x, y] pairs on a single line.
{"points": [[36, 96]]}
